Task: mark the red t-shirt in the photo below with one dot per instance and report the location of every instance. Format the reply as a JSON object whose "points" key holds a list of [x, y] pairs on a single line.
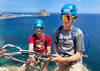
{"points": [[40, 44]]}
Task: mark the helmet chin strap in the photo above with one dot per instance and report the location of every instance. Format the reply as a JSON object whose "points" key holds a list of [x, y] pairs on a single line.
{"points": [[68, 27], [39, 35]]}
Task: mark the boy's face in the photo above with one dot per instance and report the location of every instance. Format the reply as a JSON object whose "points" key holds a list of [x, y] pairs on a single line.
{"points": [[39, 30], [67, 20]]}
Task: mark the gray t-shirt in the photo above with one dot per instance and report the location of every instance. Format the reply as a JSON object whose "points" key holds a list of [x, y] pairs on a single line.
{"points": [[68, 41]]}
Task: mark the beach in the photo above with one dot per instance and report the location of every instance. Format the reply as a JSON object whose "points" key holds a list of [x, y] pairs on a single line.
{"points": [[6, 16]]}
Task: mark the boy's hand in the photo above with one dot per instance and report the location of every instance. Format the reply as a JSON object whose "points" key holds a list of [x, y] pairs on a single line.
{"points": [[32, 58], [58, 58]]}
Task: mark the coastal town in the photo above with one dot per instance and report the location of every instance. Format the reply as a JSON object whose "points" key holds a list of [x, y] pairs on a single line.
{"points": [[11, 15]]}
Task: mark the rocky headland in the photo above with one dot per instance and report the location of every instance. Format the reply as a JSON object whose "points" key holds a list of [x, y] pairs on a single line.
{"points": [[11, 15]]}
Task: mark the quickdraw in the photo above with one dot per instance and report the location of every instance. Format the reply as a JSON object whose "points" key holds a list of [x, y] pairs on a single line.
{"points": [[9, 55]]}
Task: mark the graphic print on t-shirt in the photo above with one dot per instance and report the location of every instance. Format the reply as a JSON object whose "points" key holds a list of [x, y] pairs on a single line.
{"points": [[39, 45]]}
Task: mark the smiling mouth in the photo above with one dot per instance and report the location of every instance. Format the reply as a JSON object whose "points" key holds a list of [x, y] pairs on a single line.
{"points": [[39, 31], [66, 23]]}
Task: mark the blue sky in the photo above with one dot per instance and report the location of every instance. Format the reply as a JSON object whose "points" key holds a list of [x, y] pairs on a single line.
{"points": [[52, 6]]}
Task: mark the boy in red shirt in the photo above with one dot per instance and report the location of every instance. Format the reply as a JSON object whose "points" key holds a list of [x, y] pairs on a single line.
{"points": [[39, 42]]}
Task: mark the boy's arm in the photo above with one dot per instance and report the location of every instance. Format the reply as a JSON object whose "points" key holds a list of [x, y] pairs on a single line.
{"points": [[48, 49], [31, 48], [63, 60], [55, 49], [48, 52]]}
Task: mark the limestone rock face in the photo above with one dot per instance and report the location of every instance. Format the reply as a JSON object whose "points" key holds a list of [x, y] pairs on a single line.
{"points": [[42, 13]]}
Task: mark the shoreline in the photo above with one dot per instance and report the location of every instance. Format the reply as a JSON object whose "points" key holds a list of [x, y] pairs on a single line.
{"points": [[11, 15], [15, 16]]}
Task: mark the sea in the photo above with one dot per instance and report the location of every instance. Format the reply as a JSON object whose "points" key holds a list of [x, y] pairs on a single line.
{"points": [[17, 30]]}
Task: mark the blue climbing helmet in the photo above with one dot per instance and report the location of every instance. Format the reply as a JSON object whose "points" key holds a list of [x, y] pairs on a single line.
{"points": [[38, 23], [69, 9]]}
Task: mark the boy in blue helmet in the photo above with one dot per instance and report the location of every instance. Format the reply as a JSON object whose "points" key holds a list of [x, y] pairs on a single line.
{"points": [[39, 42], [68, 41]]}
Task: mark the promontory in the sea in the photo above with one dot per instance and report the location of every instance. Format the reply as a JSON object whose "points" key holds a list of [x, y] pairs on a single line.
{"points": [[42, 13]]}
